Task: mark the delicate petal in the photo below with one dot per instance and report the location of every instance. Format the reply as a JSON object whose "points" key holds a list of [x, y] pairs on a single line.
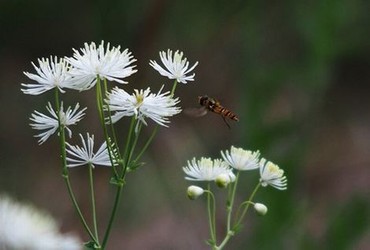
{"points": [[25, 227], [241, 159], [175, 68], [142, 104], [206, 169], [79, 156], [272, 175], [105, 63], [50, 123], [50, 74]]}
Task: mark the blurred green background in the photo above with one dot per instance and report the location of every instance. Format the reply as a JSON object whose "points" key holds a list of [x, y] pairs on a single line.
{"points": [[296, 72]]}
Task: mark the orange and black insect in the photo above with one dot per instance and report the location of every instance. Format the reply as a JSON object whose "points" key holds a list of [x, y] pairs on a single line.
{"points": [[211, 104]]}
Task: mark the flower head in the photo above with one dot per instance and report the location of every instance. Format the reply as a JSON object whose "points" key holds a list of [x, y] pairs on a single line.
{"points": [[272, 175], [51, 74], [25, 227], [105, 63], [175, 67], [78, 156], [241, 159], [50, 123], [142, 104], [206, 169]]}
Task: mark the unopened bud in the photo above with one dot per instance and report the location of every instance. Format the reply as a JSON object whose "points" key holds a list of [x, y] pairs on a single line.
{"points": [[260, 209], [194, 192], [223, 180]]}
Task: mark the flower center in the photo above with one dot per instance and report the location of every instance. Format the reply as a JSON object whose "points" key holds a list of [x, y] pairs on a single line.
{"points": [[274, 169], [63, 118]]}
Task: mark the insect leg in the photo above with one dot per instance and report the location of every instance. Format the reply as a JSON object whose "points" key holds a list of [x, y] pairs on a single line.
{"points": [[223, 117]]}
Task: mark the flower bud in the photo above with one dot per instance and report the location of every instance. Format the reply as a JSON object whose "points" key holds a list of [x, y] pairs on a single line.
{"points": [[260, 209], [223, 180], [194, 192]]}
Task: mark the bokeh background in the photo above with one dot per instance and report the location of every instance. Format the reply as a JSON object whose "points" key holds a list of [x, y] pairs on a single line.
{"points": [[296, 72]]}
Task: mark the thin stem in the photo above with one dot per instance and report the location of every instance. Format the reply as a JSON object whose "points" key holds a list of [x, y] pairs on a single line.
{"points": [[92, 193], [173, 88], [77, 208], [112, 216], [211, 208], [226, 239], [247, 205], [112, 129], [231, 202], [127, 146], [149, 141], [133, 145], [100, 105], [65, 173]]}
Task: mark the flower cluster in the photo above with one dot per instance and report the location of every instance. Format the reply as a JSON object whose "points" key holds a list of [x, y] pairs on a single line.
{"points": [[93, 66], [93, 63], [239, 159], [221, 172]]}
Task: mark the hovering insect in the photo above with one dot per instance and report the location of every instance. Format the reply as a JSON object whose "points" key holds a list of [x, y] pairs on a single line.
{"points": [[211, 104]]}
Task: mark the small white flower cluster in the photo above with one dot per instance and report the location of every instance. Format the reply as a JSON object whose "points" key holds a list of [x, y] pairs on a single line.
{"points": [[221, 171], [25, 227], [81, 72]]}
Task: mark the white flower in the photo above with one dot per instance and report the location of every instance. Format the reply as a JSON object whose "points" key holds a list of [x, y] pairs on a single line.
{"points": [[142, 104], [175, 68], [260, 208], [50, 123], [206, 169], [194, 192], [272, 175], [241, 159], [51, 74], [105, 63], [85, 155], [25, 227]]}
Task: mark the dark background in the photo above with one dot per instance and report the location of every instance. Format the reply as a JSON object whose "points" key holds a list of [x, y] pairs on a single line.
{"points": [[296, 73]]}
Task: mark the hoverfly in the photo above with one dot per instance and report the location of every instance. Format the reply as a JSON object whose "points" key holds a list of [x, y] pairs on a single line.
{"points": [[211, 104]]}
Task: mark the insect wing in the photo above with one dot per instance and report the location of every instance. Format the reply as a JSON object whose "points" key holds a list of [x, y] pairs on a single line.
{"points": [[196, 112]]}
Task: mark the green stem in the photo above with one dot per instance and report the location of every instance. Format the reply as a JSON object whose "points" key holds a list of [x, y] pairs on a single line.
{"points": [[112, 129], [173, 88], [211, 208], [133, 145], [149, 141], [226, 239], [231, 202], [100, 105], [127, 147], [65, 173], [247, 205], [112, 216], [92, 193]]}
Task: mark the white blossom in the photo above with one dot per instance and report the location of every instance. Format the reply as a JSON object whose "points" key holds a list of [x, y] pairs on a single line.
{"points": [[175, 67], [22, 226], [105, 63], [207, 169], [142, 104], [272, 175], [50, 124], [79, 156], [241, 159], [50, 74]]}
